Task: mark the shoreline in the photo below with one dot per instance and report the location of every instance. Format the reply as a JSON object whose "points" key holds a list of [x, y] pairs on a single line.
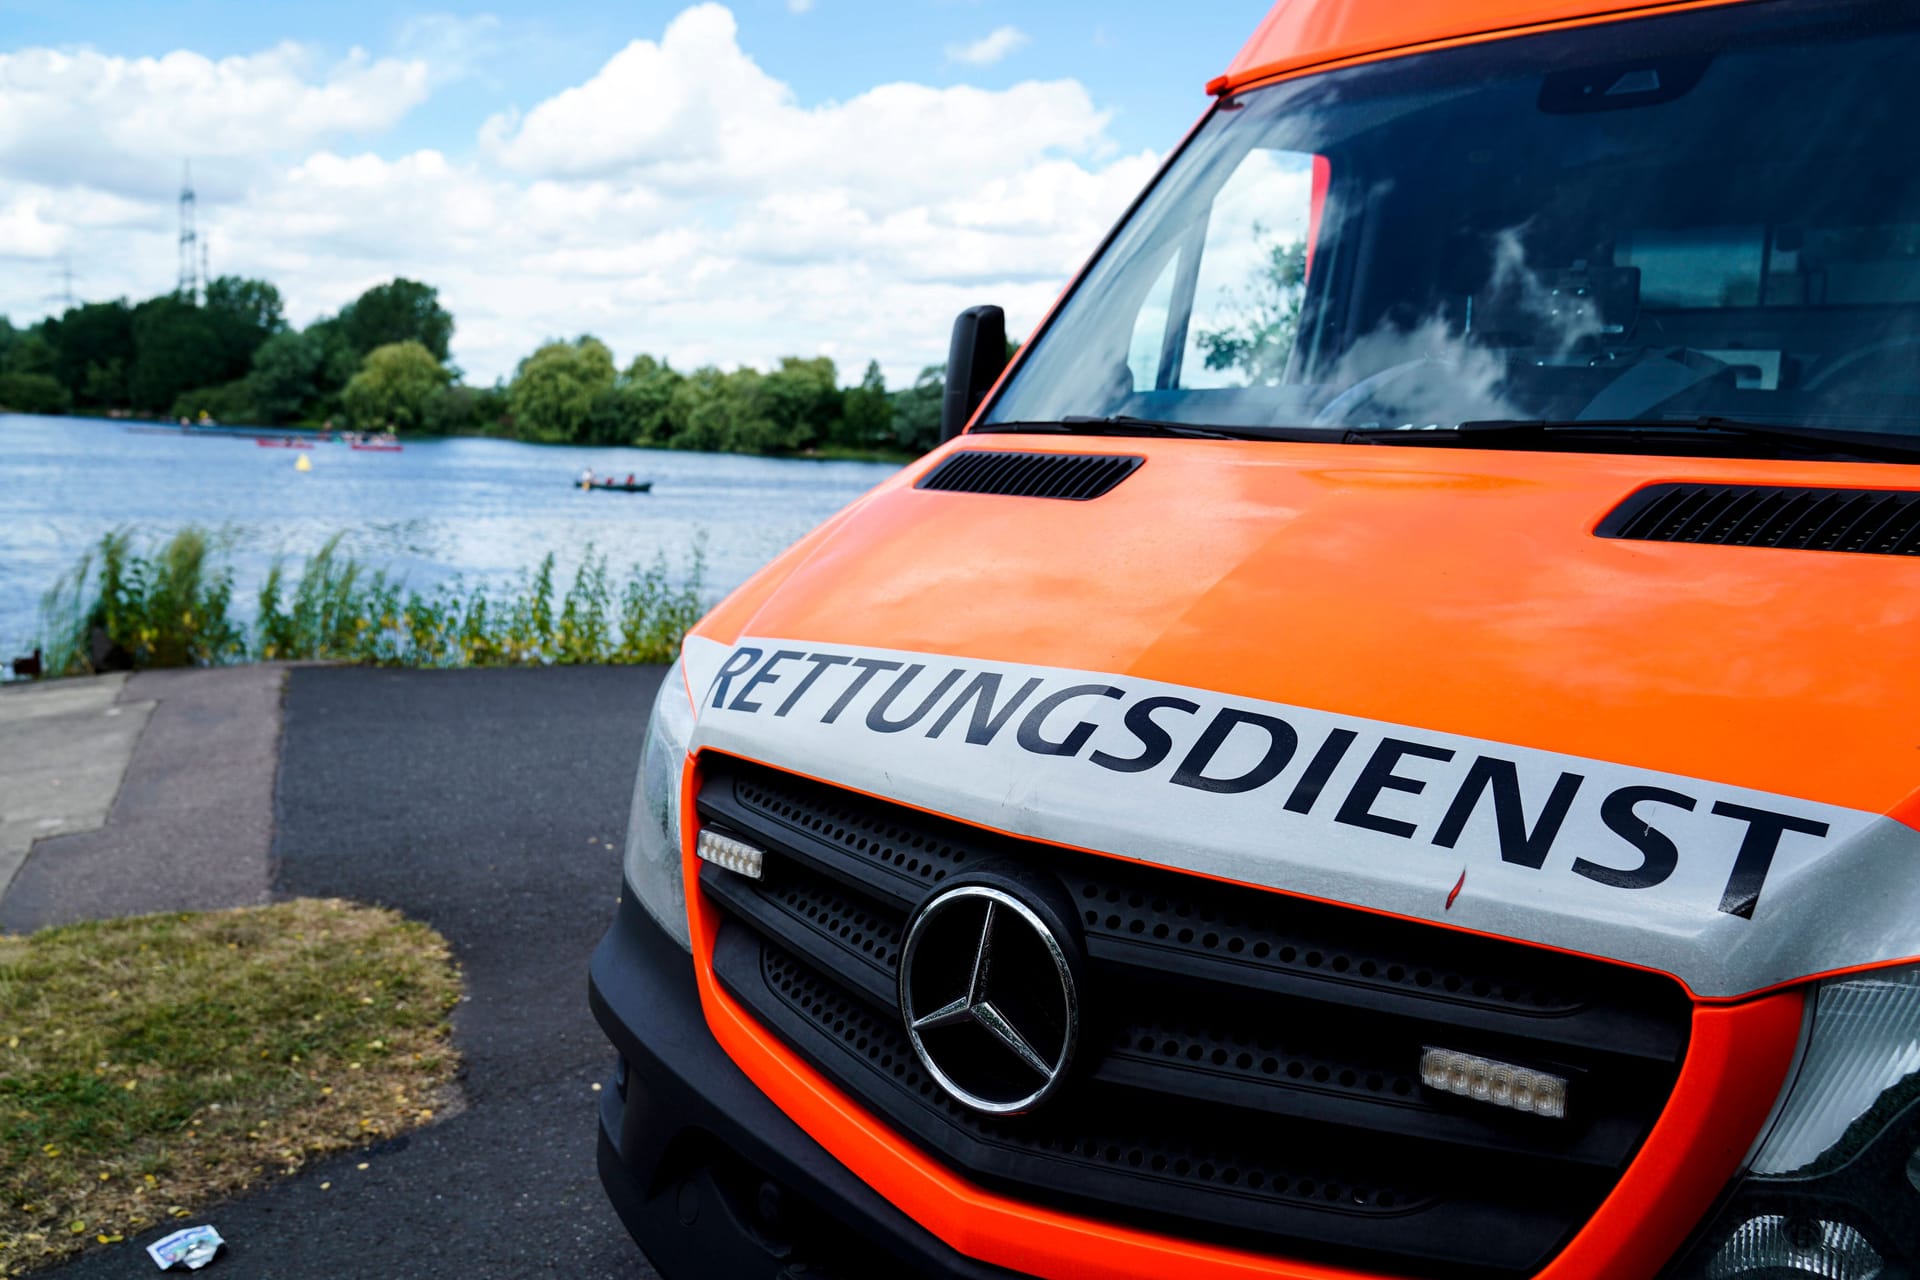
{"points": [[831, 453]]}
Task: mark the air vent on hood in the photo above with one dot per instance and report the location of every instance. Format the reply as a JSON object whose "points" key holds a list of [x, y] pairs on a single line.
{"points": [[1881, 522], [1074, 476]]}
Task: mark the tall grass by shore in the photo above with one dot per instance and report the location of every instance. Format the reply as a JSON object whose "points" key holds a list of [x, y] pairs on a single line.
{"points": [[171, 604]]}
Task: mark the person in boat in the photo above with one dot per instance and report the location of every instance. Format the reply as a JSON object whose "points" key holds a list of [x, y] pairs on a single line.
{"points": [[586, 478], [629, 479]]}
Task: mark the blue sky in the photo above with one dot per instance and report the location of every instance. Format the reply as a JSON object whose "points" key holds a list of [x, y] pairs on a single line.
{"points": [[1148, 66], [552, 176]]}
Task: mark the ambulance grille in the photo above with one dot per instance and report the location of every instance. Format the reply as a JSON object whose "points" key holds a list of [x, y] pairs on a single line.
{"points": [[1076, 477], [1249, 1069], [1881, 522]]}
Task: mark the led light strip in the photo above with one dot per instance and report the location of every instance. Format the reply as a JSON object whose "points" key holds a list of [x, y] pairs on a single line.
{"points": [[734, 855], [1498, 1083]]}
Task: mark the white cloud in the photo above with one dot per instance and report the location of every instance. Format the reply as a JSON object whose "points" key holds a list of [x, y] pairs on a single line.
{"points": [[25, 231], [694, 113], [799, 6], [665, 104], [990, 48], [90, 117], [680, 201]]}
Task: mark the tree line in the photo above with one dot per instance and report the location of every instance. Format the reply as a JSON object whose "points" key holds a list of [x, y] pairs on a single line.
{"points": [[381, 363]]}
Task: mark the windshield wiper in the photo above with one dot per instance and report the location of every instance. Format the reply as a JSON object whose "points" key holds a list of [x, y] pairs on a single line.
{"points": [[1121, 424], [1861, 444]]}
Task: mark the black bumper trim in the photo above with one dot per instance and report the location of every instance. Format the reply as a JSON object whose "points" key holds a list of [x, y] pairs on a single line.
{"points": [[709, 1176]]}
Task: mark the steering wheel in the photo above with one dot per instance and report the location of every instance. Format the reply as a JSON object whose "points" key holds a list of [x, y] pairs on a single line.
{"points": [[1339, 411], [1848, 368]]}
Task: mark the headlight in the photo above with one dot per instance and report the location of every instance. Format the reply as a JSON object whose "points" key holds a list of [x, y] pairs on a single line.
{"points": [[653, 830], [1833, 1191]]}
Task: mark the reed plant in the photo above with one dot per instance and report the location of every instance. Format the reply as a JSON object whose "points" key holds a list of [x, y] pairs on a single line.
{"points": [[336, 609], [119, 607], [172, 605]]}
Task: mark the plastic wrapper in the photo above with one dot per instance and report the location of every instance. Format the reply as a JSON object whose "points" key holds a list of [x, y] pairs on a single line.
{"points": [[191, 1249]]}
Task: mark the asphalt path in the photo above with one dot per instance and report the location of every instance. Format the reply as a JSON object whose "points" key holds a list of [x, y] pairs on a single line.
{"points": [[191, 794], [491, 805]]}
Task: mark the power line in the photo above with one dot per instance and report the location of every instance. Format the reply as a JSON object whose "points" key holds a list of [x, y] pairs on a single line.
{"points": [[191, 259], [64, 294]]}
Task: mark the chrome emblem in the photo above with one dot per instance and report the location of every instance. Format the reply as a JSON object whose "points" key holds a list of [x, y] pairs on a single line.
{"points": [[988, 995]]}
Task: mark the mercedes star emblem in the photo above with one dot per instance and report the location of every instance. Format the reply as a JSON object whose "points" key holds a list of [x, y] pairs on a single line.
{"points": [[988, 994]]}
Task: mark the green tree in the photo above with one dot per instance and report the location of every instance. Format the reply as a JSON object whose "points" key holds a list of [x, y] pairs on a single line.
{"points": [[93, 346], [491, 410], [286, 374], [802, 402], [867, 419], [645, 398], [559, 390], [746, 414], [401, 310], [176, 348], [253, 304], [106, 384], [33, 393], [31, 352], [463, 410], [702, 411], [744, 411], [245, 313], [394, 385], [1260, 343], [228, 402], [452, 410], [339, 361], [916, 410]]}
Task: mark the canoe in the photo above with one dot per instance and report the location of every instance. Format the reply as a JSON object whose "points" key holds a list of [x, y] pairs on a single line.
{"points": [[644, 486], [378, 448], [281, 442]]}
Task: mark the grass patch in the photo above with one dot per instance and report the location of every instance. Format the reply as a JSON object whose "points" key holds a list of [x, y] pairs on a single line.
{"points": [[171, 604], [151, 1066]]}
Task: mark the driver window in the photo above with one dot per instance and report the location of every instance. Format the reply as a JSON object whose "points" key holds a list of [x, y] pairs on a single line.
{"points": [[1252, 278]]}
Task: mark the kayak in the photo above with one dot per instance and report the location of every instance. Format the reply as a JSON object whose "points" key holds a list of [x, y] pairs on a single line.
{"points": [[282, 442], [378, 448], [644, 486]]}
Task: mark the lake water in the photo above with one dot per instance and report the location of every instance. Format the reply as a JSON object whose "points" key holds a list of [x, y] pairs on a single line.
{"points": [[483, 509]]}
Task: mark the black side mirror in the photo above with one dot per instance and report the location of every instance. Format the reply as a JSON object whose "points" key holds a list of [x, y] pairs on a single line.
{"points": [[975, 361]]}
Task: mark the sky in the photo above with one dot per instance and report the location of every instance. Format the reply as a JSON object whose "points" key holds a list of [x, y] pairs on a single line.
{"points": [[715, 183]]}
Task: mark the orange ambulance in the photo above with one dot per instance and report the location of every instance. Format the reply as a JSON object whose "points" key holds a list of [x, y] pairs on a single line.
{"points": [[1384, 745]]}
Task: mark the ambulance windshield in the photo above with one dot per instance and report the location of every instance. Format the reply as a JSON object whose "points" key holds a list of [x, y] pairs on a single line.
{"points": [[1705, 215]]}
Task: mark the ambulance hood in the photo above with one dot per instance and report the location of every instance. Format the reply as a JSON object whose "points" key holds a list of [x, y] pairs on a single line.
{"points": [[1410, 680]]}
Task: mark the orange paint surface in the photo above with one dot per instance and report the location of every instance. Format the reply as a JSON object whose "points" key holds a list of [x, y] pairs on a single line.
{"points": [[1453, 590], [1298, 34]]}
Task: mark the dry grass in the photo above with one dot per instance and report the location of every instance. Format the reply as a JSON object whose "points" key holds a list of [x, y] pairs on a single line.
{"points": [[149, 1067]]}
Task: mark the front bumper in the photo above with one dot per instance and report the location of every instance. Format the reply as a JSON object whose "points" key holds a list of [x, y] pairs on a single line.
{"points": [[707, 1174]]}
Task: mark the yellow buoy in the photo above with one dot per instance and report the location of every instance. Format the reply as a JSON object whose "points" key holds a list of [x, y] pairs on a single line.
{"points": [[303, 464]]}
